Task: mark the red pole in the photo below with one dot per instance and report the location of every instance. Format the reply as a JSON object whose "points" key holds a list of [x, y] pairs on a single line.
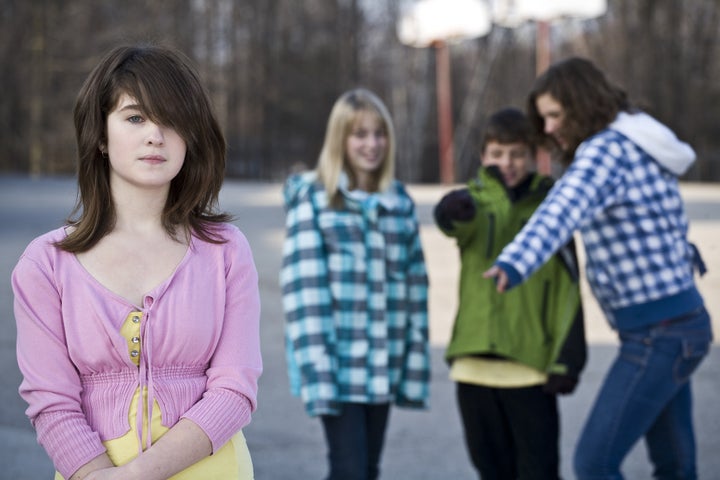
{"points": [[444, 106], [542, 46]]}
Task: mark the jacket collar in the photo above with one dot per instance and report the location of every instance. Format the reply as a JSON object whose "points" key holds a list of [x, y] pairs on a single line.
{"points": [[388, 199]]}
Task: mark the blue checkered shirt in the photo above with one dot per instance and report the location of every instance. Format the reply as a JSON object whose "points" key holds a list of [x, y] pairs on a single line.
{"points": [[630, 214], [354, 288]]}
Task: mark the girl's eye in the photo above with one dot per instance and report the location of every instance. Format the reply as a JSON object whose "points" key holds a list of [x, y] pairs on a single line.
{"points": [[366, 133], [135, 119]]}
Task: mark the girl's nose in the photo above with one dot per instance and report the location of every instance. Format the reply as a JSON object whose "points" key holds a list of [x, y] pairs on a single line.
{"points": [[155, 134], [549, 126], [373, 141]]}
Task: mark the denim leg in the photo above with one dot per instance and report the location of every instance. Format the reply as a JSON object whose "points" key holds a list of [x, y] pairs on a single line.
{"points": [[355, 440], [671, 439], [646, 392], [375, 423]]}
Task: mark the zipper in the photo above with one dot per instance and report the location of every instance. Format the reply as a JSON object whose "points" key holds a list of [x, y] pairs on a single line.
{"points": [[544, 313], [491, 236]]}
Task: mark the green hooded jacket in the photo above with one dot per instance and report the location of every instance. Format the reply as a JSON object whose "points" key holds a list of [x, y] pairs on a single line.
{"points": [[539, 323]]}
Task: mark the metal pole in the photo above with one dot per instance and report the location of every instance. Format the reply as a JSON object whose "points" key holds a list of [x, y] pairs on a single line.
{"points": [[542, 46], [542, 62], [444, 106]]}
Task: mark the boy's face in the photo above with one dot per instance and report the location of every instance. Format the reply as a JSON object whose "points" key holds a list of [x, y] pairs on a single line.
{"points": [[514, 160]]}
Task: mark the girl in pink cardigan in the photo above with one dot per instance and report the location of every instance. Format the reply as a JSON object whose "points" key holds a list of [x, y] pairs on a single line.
{"points": [[138, 322]]}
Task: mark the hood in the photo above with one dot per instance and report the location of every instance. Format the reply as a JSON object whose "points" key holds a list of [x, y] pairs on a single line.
{"points": [[656, 139], [296, 185], [391, 199], [532, 186], [395, 198]]}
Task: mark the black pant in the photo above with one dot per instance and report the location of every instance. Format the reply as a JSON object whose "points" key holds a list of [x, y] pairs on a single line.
{"points": [[511, 433], [355, 440]]}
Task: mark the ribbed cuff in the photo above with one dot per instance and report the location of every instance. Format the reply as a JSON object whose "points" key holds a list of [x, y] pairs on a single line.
{"points": [[221, 414], [514, 277], [68, 440]]}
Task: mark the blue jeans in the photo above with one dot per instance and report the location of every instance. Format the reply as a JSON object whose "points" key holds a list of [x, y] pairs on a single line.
{"points": [[647, 393], [511, 433], [355, 440]]}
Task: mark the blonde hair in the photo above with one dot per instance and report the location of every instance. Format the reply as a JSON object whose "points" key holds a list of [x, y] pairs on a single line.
{"points": [[343, 116]]}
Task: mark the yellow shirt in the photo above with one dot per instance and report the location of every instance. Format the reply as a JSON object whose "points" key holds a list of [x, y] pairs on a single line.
{"points": [[231, 461], [492, 372]]}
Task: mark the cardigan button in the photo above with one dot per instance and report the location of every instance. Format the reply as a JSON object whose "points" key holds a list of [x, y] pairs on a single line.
{"points": [[136, 319], [136, 339], [134, 353]]}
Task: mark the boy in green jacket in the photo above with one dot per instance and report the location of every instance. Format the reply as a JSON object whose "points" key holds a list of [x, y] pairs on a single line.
{"points": [[510, 354]]}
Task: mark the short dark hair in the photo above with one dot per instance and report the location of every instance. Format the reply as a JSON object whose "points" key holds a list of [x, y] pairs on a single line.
{"points": [[508, 125], [169, 91]]}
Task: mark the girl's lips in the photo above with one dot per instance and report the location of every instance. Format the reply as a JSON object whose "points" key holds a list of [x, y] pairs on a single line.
{"points": [[153, 158]]}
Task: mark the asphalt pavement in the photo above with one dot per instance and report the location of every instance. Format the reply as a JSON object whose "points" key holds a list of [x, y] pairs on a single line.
{"points": [[284, 443]]}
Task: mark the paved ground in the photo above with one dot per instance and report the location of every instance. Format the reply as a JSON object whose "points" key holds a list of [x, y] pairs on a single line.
{"points": [[285, 444]]}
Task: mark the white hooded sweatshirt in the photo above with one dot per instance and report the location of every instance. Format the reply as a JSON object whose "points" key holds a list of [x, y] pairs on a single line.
{"points": [[656, 139]]}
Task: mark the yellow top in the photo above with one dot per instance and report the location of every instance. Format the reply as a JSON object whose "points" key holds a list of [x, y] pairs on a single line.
{"points": [[492, 372], [231, 461]]}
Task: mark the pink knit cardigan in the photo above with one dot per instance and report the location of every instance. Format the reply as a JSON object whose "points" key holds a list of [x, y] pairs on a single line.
{"points": [[200, 346]]}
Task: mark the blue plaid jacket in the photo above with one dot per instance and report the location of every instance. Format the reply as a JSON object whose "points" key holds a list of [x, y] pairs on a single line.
{"points": [[629, 212], [354, 288]]}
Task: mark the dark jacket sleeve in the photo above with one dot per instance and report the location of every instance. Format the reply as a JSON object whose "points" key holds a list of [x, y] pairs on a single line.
{"points": [[573, 353]]}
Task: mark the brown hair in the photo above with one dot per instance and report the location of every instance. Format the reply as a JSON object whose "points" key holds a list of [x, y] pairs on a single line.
{"points": [[168, 90], [589, 100]]}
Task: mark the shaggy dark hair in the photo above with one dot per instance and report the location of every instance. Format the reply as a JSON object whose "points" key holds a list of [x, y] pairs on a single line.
{"points": [[589, 100], [169, 92]]}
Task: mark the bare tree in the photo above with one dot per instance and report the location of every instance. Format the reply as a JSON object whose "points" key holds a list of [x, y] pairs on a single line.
{"points": [[274, 68]]}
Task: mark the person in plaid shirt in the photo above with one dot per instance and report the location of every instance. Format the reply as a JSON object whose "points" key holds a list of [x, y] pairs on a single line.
{"points": [[354, 287], [620, 191]]}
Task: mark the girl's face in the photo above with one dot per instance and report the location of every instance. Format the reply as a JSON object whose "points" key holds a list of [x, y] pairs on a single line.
{"points": [[141, 153], [553, 115], [513, 160], [366, 146]]}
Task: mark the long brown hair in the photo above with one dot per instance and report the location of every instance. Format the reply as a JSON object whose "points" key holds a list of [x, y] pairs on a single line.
{"points": [[589, 100], [169, 91]]}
